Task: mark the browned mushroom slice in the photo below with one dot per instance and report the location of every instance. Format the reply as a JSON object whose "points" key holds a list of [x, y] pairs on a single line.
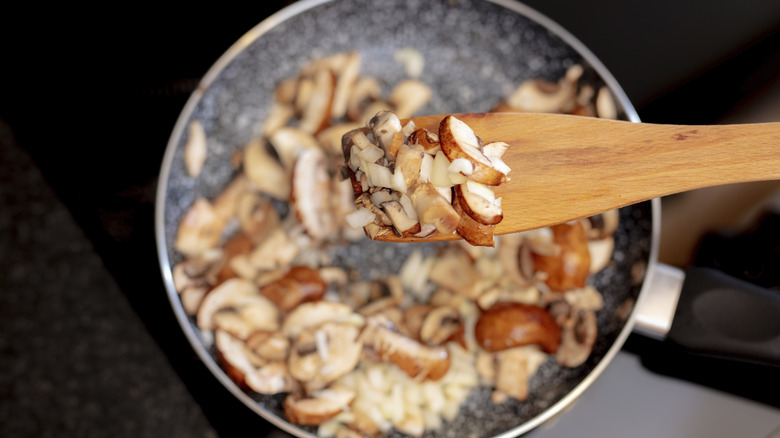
{"points": [[578, 334], [479, 202], [569, 268], [200, 229], [312, 314], [473, 232], [238, 244], [388, 132], [418, 361], [459, 141], [322, 354], [541, 96], [265, 171], [271, 378], [427, 139], [257, 216], [507, 325], [432, 208], [317, 112], [300, 284], [409, 96], [316, 410], [271, 346], [311, 194], [440, 325]]}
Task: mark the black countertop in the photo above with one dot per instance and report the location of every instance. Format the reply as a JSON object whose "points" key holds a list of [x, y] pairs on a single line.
{"points": [[89, 345]]}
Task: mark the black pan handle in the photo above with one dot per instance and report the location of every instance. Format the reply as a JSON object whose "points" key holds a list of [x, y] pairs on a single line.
{"points": [[718, 315]]}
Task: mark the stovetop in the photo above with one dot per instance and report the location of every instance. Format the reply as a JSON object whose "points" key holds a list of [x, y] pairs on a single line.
{"points": [[88, 343]]}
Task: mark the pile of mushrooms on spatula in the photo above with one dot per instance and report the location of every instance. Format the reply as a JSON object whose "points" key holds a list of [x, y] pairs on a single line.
{"points": [[361, 356]]}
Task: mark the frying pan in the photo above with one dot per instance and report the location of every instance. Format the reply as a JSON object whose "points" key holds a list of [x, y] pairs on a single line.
{"points": [[476, 52]]}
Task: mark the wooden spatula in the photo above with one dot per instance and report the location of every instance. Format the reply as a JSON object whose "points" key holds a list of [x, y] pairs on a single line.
{"points": [[568, 167]]}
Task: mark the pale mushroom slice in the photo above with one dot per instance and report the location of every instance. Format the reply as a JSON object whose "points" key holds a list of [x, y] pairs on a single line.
{"points": [[454, 271], [288, 143], [232, 355], [404, 224], [311, 193], [439, 325], [434, 209], [193, 277], [233, 294], [195, 149], [458, 140], [347, 75], [312, 314], [323, 406], [271, 378], [200, 229], [322, 354], [514, 367], [409, 96], [578, 334], [365, 91], [317, 112], [541, 96], [257, 216], [269, 345], [265, 171]]}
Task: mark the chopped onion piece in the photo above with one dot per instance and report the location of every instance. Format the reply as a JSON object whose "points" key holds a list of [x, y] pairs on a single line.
{"points": [[440, 174], [360, 218]]}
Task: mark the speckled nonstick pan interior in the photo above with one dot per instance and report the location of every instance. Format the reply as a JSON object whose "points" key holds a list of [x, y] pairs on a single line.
{"points": [[476, 53]]}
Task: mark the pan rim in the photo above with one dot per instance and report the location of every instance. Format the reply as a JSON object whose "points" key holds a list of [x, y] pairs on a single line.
{"points": [[213, 73]]}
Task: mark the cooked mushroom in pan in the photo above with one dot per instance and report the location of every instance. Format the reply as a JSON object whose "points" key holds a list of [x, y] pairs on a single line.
{"points": [[361, 356]]}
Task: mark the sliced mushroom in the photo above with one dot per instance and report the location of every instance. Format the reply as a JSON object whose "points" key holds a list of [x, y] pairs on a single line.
{"points": [[237, 245], [193, 277], [271, 378], [348, 73], [195, 149], [311, 314], [440, 324], [479, 202], [331, 137], [425, 138], [289, 142], [265, 171], [317, 112], [233, 357], [600, 253], [414, 316], [200, 229], [605, 104], [271, 346], [365, 91], [257, 216], [570, 268], [418, 361], [578, 334], [322, 354], [514, 368], [458, 140], [409, 96], [316, 410], [538, 95], [275, 252], [508, 325], [299, 285], [236, 306], [310, 194], [409, 160], [403, 224], [602, 225], [286, 91], [432, 208], [387, 131], [455, 271], [278, 117]]}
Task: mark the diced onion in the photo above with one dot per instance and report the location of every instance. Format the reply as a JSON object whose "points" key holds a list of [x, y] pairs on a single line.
{"points": [[360, 218]]}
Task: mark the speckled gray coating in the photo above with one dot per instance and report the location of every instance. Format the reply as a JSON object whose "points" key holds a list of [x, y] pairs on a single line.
{"points": [[476, 53]]}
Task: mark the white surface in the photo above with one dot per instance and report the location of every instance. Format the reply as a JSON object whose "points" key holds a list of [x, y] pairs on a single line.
{"points": [[628, 401]]}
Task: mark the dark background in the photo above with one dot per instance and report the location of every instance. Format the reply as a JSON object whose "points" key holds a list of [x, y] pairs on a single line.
{"points": [[88, 98]]}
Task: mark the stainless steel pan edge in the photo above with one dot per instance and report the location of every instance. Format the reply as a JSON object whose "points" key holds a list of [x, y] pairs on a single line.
{"points": [[166, 263]]}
